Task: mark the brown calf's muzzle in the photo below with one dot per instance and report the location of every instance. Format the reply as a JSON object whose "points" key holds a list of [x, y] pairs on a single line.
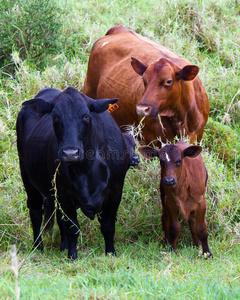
{"points": [[169, 181]]}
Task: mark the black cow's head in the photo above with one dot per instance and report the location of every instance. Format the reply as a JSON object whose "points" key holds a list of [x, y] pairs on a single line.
{"points": [[71, 116]]}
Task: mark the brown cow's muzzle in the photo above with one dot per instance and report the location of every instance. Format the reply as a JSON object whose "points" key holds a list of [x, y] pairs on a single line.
{"points": [[145, 110]]}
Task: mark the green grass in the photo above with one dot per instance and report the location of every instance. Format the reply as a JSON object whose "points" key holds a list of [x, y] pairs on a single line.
{"points": [[205, 32], [139, 272]]}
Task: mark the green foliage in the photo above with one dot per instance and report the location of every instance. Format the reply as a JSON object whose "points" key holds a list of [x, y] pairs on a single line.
{"points": [[224, 141], [31, 28]]}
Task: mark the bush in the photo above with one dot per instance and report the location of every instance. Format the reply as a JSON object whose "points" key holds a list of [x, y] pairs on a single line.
{"points": [[31, 28], [224, 141]]}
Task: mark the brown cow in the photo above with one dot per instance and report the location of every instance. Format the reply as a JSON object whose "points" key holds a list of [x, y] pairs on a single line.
{"points": [[183, 185], [149, 80]]}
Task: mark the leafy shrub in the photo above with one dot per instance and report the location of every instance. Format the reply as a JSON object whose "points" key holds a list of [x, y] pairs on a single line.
{"points": [[31, 28], [222, 139]]}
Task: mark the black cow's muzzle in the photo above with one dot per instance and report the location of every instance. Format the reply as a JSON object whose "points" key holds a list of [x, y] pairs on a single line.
{"points": [[71, 155]]}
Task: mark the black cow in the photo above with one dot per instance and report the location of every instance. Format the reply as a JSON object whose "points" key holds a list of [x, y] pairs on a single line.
{"points": [[76, 131]]}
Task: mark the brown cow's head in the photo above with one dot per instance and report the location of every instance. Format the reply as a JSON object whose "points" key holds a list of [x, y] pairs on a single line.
{"points": [[171, 159], [162, 81]]}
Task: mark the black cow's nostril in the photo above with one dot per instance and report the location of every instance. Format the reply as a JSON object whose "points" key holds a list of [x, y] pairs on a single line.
{"points": [[69, 155]]}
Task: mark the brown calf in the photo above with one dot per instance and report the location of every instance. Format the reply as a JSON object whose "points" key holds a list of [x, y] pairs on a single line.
{"points": [[183, 185]]}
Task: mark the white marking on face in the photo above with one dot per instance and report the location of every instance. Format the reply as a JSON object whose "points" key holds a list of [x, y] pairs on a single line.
{"points": [[105, 43], [167, 157]]}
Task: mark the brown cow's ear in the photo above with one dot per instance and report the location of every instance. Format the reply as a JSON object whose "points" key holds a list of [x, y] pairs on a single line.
{"points": [[192, 151], [148, 152], [138, 66], [188, 72]]}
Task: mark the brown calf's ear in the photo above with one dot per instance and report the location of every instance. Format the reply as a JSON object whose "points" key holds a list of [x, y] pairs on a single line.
{"points": [[138, 66], [148, 152], [188, 72], [192, 151]]}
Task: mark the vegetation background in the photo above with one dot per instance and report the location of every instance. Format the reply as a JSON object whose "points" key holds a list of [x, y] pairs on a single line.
{"points": [[47, 43]]}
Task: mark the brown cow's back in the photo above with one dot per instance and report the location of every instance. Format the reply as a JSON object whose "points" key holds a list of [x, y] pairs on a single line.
{"points": [[110, 75]]}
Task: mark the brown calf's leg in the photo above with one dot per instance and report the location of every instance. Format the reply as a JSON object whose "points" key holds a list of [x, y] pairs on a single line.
{"points": [[192, 225], [201, 230], [171, 227]]}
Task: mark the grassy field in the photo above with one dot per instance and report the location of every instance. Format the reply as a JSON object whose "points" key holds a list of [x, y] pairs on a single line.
{"points": [[205, 32]]}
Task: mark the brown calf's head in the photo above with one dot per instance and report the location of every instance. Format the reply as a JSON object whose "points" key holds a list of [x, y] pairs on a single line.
{"points": [[171, 159], [162, 80]]}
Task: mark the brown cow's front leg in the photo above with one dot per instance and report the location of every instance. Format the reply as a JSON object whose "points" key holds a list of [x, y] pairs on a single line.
{"points": [[192, 226], [171, 227], [201, 230]]}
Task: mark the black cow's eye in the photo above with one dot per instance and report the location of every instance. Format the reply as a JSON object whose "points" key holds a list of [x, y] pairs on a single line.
{"points": [[55, 118], [179, 162], [86, 118]]}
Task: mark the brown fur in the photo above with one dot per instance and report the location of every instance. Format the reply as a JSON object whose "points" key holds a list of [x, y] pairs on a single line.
{"points": [[183, 185], [119, 65]]}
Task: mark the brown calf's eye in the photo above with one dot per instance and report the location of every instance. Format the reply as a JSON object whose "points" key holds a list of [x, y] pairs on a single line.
{"points": [[178, 163]]}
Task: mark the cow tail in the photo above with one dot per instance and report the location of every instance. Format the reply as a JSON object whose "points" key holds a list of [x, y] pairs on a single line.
{"points": [[49, 213]]}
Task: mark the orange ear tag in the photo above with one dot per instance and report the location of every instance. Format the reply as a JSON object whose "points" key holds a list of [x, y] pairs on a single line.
{"points": [[112, 107]]}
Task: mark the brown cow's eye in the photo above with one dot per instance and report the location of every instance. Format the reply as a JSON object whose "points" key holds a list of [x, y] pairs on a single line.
{"points": [[169, 82], [162, 163], [144, 82], [178, 163]]}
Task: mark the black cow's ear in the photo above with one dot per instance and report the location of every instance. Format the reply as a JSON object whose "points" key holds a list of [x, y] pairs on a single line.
{"points": [[100, 105], [192, 151], [39, 106], [148, 152], [138, 66], [188, 72]]}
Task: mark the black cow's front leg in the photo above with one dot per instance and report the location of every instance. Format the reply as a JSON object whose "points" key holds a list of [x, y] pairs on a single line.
{"points": [[63, 232], [107, 220], [108, 231], [72, 231], [36, 219], [35, 205]]}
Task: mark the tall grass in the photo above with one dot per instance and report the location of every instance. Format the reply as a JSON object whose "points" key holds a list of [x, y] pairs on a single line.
{"points": [[205, 32]]}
